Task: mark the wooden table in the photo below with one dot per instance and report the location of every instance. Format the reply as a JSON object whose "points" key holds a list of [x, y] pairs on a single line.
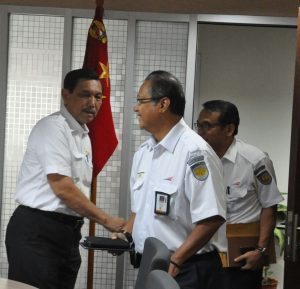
{"points": [[10, 284]]}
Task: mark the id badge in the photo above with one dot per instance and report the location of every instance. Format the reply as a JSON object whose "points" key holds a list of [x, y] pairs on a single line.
{"points": [[162, 203]]}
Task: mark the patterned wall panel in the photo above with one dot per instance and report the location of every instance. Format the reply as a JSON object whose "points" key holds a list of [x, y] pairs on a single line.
{"points": [[108, 181], [34, 77], [159, 46]]}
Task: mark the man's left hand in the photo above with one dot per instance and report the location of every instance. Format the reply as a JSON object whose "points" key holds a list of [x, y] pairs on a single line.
{"points": [[253, 260], [173, 270]]}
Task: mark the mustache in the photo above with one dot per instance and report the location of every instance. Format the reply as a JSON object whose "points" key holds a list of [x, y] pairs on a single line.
{"points": [[89, 110]]}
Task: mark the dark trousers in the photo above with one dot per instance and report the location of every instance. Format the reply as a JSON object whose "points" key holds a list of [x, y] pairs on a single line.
{"points": [[235, 278], [198, 272], [43, 248]]}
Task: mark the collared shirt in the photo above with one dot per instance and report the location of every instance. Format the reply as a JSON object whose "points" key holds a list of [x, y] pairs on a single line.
{"points": [[57, 144], [251, 184], [185, 168]]}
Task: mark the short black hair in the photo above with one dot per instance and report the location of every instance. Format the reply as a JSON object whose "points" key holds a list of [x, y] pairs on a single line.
{"points": [[228, 112], [74, 76], [164, 84]]}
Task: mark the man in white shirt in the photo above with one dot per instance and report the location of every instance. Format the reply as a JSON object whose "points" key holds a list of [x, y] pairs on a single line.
{"points": [[177, 192], [252, 193], [53, 191]]}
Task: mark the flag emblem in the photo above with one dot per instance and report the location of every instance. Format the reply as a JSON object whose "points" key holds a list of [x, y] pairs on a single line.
{"points": [[97, 31], [102, 133]]}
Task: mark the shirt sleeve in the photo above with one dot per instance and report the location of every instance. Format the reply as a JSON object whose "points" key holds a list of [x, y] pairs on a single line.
{"points": [[204, 187], [52, 147], [265, 180], [132, 182]]}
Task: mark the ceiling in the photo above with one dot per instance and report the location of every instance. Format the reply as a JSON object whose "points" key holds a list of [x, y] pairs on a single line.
{"points": [[283, 8]]}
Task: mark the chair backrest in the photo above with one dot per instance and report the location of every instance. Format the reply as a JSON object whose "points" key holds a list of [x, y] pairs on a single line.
{"points": [[156, 255], [158, 279]]}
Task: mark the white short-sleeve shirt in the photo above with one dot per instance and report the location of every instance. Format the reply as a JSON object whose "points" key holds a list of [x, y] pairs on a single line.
{"points": [[184, 171], [250, 181], [57, 144]]}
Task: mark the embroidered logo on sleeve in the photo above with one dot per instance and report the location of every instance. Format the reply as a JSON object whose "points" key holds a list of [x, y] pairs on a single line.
{"points": [[199, 168], [140, 175], [263, 176]]}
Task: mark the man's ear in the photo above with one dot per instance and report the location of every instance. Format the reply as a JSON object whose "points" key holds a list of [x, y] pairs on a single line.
{"points": [[65, 94], [164, 104], [230, 128]]}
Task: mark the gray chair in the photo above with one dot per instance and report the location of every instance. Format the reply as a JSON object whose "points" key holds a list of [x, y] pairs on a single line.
{"points": [[158, 279], [156, 255]]}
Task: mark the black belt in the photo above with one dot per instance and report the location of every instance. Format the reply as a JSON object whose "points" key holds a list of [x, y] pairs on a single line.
{"points": [[69, 220]]}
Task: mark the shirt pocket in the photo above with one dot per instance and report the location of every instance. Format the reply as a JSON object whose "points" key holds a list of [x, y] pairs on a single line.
{"points": [[236, 193], [170, 190], [82, 168], [76, 164]]}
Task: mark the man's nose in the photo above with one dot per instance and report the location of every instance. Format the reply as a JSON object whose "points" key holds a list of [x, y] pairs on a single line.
{"points": [[93, 101]]}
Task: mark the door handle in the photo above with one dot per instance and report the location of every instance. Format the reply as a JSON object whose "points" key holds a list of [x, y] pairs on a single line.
{"points": [[292, 245], [295, 243]]}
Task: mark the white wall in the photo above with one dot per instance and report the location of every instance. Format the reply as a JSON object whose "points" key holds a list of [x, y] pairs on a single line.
{"points": [[252, 67]]}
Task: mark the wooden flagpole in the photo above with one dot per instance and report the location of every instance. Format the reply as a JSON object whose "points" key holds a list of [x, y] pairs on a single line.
{"points": [[96, 58], [90, 273]]}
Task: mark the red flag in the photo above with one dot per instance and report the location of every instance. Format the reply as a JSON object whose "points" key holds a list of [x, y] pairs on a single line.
{"points": [[102, 132]]}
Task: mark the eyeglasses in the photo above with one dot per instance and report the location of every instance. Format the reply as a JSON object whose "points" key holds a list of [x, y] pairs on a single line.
{"points": [[205, 125], [145, 100]]}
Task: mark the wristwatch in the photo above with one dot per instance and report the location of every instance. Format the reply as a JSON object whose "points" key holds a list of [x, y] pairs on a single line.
{"points": [[262, 250]]}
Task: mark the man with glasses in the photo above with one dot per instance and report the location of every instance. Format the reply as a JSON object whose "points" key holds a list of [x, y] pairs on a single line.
{"points": [[177, 192], [252, 193]]}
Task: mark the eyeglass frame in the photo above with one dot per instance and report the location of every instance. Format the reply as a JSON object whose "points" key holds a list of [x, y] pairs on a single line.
{"points": [[206, 125], [140, 101]]}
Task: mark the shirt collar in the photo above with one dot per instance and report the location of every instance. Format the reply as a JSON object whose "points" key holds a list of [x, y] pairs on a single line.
{"points": [[73, 123], [170, 140], [231, 152]]}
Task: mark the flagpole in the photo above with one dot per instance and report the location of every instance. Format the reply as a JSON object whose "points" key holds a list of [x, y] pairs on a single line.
{"points": [[90, 273], [102, 127]]}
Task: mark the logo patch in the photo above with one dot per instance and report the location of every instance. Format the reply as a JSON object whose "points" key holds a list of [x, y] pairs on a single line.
{"points": [[200, 171], [195, 159], [261, 168], [140, 175], [97, 31], [264, 177]]}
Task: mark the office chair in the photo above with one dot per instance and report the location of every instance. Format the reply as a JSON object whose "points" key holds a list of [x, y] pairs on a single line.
{"points": [[158, 279], [156, 255]]}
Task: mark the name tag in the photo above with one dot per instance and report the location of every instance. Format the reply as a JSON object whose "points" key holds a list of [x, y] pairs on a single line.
{"points": [[162, 203]]}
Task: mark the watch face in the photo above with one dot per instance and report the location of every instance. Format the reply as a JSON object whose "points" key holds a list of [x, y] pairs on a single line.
{"points": [[261, 249]]}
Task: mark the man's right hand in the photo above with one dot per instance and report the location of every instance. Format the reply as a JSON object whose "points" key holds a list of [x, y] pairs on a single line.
{"points": [[119, 235], [114, 224]]}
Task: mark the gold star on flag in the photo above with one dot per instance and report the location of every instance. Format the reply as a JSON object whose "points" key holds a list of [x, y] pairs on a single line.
{"points": [[105, 72]]}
